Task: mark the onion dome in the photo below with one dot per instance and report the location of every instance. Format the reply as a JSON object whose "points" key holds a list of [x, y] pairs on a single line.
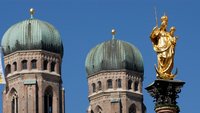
{"points": [[32, 34], [114, 55]]}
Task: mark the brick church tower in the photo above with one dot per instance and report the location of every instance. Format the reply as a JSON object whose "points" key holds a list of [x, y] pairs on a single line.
{"points": [[32, 57], [115, 76]]}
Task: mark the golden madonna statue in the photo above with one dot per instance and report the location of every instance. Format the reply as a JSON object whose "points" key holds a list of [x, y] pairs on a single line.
{"points": [[1, 80], [164, 45]]}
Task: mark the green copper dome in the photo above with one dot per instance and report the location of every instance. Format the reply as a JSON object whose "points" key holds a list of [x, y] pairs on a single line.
{"points": [[32, 34], [114, 55]]}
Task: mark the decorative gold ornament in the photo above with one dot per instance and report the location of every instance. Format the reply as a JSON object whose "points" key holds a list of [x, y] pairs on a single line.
{"points": [[32, 11], [113, 33], [164, 45], [1, 79]]}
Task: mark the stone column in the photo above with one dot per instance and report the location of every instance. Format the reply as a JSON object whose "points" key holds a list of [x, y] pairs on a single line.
{"points": [[49, 66], [140, 85], [40, 95], [115, 84], [29, 65], [167, 110], [133, 85], [124, 83], [31, 100], [19, 65], [57, 67], [56, 99], [15, 101], [165, 93], [40, 63], [63, 100]]}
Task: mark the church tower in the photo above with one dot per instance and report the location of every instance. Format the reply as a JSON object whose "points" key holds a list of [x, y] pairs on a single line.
{"points": [[33, 53], [115, 75]]}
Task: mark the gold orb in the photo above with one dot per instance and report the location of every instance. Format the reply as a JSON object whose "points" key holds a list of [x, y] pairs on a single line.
{"points": [[32, 11], [113, 32]]}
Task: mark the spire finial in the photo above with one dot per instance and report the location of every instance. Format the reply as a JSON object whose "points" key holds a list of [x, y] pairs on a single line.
{"points": [[113, 33], [32, 11]]}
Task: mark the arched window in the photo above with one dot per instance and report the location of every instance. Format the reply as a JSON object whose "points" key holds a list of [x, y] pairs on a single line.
{"points": [[92, 111], [15, 66], [53, 66], [34, 64], [109, 84], [93, 87], [119, 83], [99, 85], [14, 101], [129, 84], [8, 69], [45, 64], [48, 100], [24, 64], [132, 109], [136, 86], [98, 109]]}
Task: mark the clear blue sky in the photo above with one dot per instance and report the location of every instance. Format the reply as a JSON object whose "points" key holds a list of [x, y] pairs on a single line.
{"points": [[85, 23]]}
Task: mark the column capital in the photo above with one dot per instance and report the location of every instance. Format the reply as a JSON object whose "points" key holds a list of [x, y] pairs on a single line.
{"points": [[165, 93]]}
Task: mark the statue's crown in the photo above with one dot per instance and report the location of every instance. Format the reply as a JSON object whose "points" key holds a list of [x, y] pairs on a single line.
{"points": [[164, 18], [173, 28]]}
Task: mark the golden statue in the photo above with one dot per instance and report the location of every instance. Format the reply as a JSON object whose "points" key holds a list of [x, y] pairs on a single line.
{"points": [[1, 80], [164, 45]]}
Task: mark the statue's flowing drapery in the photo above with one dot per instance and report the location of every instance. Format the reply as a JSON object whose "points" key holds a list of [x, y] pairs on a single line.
{"points": [[164, 45]]}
